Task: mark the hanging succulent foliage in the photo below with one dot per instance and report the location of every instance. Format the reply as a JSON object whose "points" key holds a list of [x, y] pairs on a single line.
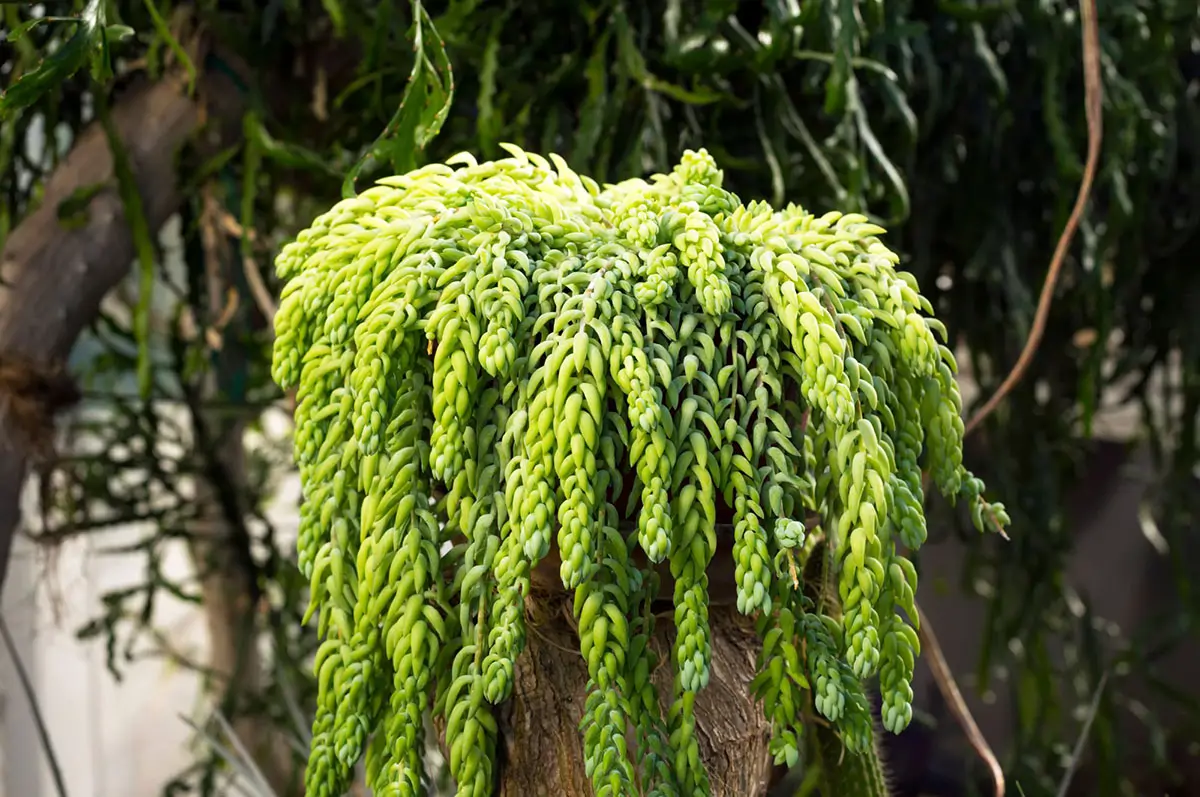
{"points": [[904, 112], [511, 337]]}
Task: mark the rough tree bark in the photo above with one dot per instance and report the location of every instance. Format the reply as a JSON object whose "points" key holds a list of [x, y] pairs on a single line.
{"points": [[541, 748], [52, 279]]}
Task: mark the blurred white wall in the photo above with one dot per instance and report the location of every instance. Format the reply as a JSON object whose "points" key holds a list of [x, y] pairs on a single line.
{"points": [[112, 739]]}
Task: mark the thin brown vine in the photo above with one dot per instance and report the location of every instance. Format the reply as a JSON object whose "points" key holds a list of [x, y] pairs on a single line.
{"points": [[1093, 102]]}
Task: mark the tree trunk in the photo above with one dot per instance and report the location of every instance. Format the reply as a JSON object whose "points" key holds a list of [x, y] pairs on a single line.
{"points": [[220, 540], [53, 277], [220, 550], [541, 747]]}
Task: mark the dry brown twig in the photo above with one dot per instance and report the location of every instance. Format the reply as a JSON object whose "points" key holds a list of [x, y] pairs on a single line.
{"points": [[1093, 102], [215, 221], [258, 289], [1094, 106]]}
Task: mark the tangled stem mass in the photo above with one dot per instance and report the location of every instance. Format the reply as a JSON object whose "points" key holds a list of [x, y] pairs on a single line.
{"points": [[481, 350]]}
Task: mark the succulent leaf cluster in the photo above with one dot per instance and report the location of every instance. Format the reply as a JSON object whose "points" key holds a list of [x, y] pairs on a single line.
{"points": [[494, 358]]}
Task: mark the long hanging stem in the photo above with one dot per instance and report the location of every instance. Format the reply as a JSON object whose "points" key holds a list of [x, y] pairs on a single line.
{"points": [[842, 771]]}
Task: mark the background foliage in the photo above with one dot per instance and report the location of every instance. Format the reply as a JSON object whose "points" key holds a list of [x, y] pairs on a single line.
{"points": [[959, 124]]}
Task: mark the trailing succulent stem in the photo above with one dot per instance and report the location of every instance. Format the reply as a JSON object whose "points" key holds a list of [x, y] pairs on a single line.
{"points": [[481, 351], [840, 770]]}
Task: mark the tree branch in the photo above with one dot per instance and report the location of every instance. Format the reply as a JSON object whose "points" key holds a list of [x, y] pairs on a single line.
{"points": [[53, 278]]}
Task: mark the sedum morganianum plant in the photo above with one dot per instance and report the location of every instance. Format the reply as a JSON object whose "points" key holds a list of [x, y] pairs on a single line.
{"points": [[481, 350]]}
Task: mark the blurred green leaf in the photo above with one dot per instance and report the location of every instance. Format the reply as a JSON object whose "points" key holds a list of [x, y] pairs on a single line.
{"points": [[143, 243], [488, 123], [72, 211], [972, 12], [21, 31], [51, 72], [591, 112], [336, 15], [423, 108], [843, 25], [633, 61], [164, 33], [89, 43], [292, 156], [95, 21], [118, 33]]}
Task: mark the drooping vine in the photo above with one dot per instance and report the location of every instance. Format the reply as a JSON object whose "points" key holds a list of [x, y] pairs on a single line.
{"points": [[482, 350]]}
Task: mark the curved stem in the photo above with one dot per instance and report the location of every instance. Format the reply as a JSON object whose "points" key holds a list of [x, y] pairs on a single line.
{"points": [[1094, 106]]}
